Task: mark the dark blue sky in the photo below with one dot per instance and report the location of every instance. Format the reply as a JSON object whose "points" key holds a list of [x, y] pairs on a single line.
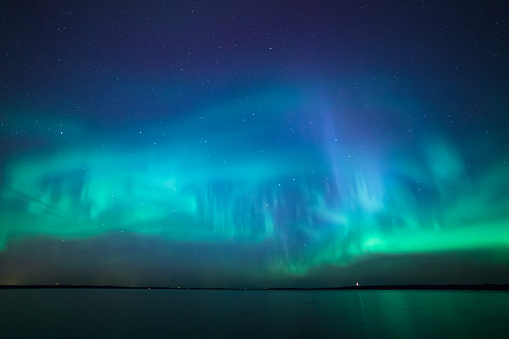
{"points": [[261, 143]]}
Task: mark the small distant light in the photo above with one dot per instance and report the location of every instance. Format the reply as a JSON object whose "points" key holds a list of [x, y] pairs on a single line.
{"points": [[357, 284]]}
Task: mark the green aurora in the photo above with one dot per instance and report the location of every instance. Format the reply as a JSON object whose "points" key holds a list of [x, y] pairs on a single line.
{"points": [[306, 194]]}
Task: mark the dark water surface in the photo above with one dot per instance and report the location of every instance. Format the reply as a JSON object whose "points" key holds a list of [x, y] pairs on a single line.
{"points": [[77, 313]]}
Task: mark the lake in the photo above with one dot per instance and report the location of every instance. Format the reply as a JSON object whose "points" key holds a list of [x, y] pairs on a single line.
{"points": [[95, 313]]}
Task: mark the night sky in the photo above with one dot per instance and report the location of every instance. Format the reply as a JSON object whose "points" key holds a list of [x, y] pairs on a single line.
{"points": [[254, 143]]}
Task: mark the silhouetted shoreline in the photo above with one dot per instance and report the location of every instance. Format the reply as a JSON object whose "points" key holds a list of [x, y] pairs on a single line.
{"points": [[451, 287]]}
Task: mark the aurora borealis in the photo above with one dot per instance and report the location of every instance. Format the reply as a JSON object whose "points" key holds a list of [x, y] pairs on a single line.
{"points": [[227, 144]]}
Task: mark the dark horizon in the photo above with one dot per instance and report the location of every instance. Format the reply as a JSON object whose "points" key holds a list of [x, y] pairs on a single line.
{"points": [[448, 287]]}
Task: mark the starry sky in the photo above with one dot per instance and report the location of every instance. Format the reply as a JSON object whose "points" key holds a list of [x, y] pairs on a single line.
{"points": [[254, 143]]}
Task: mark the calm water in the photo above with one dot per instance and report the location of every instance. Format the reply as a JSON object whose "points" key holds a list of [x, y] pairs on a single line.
{"points": [[253, 314]]}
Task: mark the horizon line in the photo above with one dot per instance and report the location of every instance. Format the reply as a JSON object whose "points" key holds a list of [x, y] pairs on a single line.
{"points": [[451, 287]]}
